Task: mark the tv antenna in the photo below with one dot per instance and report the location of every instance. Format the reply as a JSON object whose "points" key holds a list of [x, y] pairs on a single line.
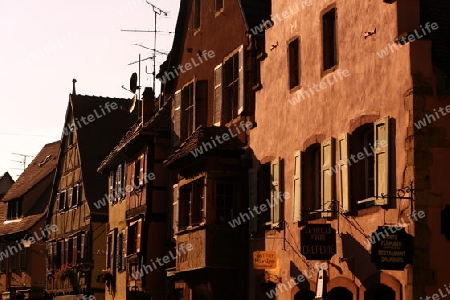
{"points": [[158, 12], [23, 161]]}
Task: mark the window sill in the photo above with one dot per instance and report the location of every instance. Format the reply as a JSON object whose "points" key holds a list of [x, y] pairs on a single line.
{"points": [[218, 12], [330, 70], [295, 88], [366, 203], [191, 228]]}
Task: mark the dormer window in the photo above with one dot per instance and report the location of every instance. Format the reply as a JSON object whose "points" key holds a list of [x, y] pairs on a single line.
{"points": [[15, 209]]}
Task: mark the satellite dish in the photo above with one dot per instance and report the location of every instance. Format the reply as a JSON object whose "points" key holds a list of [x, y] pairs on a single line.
{"points": [[133, 82]]}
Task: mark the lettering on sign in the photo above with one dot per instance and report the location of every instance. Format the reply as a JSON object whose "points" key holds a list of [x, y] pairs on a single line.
{"points": [[264, 260]]}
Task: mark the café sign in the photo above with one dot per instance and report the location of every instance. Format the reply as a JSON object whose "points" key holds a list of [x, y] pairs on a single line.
{"points": [[391, 248], [318, 241], [264, 260]]}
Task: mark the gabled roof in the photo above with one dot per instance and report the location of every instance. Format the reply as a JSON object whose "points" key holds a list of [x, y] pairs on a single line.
{"points": [[159, 121], [96, 139], [6, 182], [42, 165], [41, 168], [198, 139]]}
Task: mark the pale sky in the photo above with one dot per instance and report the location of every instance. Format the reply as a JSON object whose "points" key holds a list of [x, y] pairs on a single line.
{"points": [[45, 44]]}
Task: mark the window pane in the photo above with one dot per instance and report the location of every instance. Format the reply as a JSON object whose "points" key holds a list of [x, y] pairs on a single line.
{"points": [[224, 202]]}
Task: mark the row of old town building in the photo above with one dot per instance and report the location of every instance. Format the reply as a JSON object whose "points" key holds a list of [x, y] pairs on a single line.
{"points": [[140, 202]]}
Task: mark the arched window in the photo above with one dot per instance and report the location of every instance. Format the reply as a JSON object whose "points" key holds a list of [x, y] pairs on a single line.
{"points": [[340, 293], [379, 291]]}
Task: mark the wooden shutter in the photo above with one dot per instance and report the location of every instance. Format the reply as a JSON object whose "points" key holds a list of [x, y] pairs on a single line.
{"points": [[57, 202], [75, 250], [138, 235], [66, 251], [253, 197], [327, 186], [381, 176], [124, 179], [297, 186], [114, 250], [79, 194], [69, 197], [217, 113], [201, 103], [176, 205], [82, 243], [275, 192], [111, 187], [124, 249], [119, 250], [118, 182], [241, 97], [344, 172], [141, 170], [177, 118]]}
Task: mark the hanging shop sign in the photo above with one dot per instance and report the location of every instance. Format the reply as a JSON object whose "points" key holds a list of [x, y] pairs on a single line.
{"points": [[318, 241], [391, 248], [264, 260]]}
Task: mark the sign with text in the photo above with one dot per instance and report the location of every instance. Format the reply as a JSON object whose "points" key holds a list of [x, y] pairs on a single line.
{"points": [[392, 248], [318, 241], [264, 260]]}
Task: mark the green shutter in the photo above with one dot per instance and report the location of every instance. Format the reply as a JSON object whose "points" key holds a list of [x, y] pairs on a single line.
{"points": [[381, 176], [328, 177], [297, 186], [275, 212], [344, 172]]}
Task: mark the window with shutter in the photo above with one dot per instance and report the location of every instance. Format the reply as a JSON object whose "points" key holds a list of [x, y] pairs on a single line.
{"points": [[124, 180], [344, 172], [328, 179], [123, 251], [79, 194], [177, 118], [224, 202], [187, 110], [231, 88], [69, 248], [311, 181], [297, 185], [119, 251], [109, 250], [217, 117], [381, 160], [253, 197]]}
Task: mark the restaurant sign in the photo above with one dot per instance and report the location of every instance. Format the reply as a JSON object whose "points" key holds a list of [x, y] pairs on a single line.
{"points": [[264, 260], [318, 241], [391, 249]]}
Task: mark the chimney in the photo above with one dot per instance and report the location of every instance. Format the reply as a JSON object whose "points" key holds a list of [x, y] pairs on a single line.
{"points": [[148, 104], [73, 90]]}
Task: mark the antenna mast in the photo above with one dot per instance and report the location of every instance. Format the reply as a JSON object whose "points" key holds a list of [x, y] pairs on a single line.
{"points": [[157, 11], [24, 159]]}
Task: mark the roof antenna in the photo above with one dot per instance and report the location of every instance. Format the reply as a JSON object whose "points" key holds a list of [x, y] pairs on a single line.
{"points": [[73, 91]]}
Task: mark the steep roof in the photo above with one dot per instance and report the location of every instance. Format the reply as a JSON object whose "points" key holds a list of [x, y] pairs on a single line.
{"points": [[96, 139], [159, 121], [42, 167], [6, 182]]}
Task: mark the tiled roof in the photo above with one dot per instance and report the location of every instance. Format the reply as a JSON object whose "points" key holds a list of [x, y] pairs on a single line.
{"points": [[98, 138], [205, 135], [41, 166], [159, 121]]}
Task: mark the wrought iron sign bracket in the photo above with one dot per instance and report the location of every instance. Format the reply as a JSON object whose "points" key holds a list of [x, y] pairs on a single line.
{"points": [[400, 193]]}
